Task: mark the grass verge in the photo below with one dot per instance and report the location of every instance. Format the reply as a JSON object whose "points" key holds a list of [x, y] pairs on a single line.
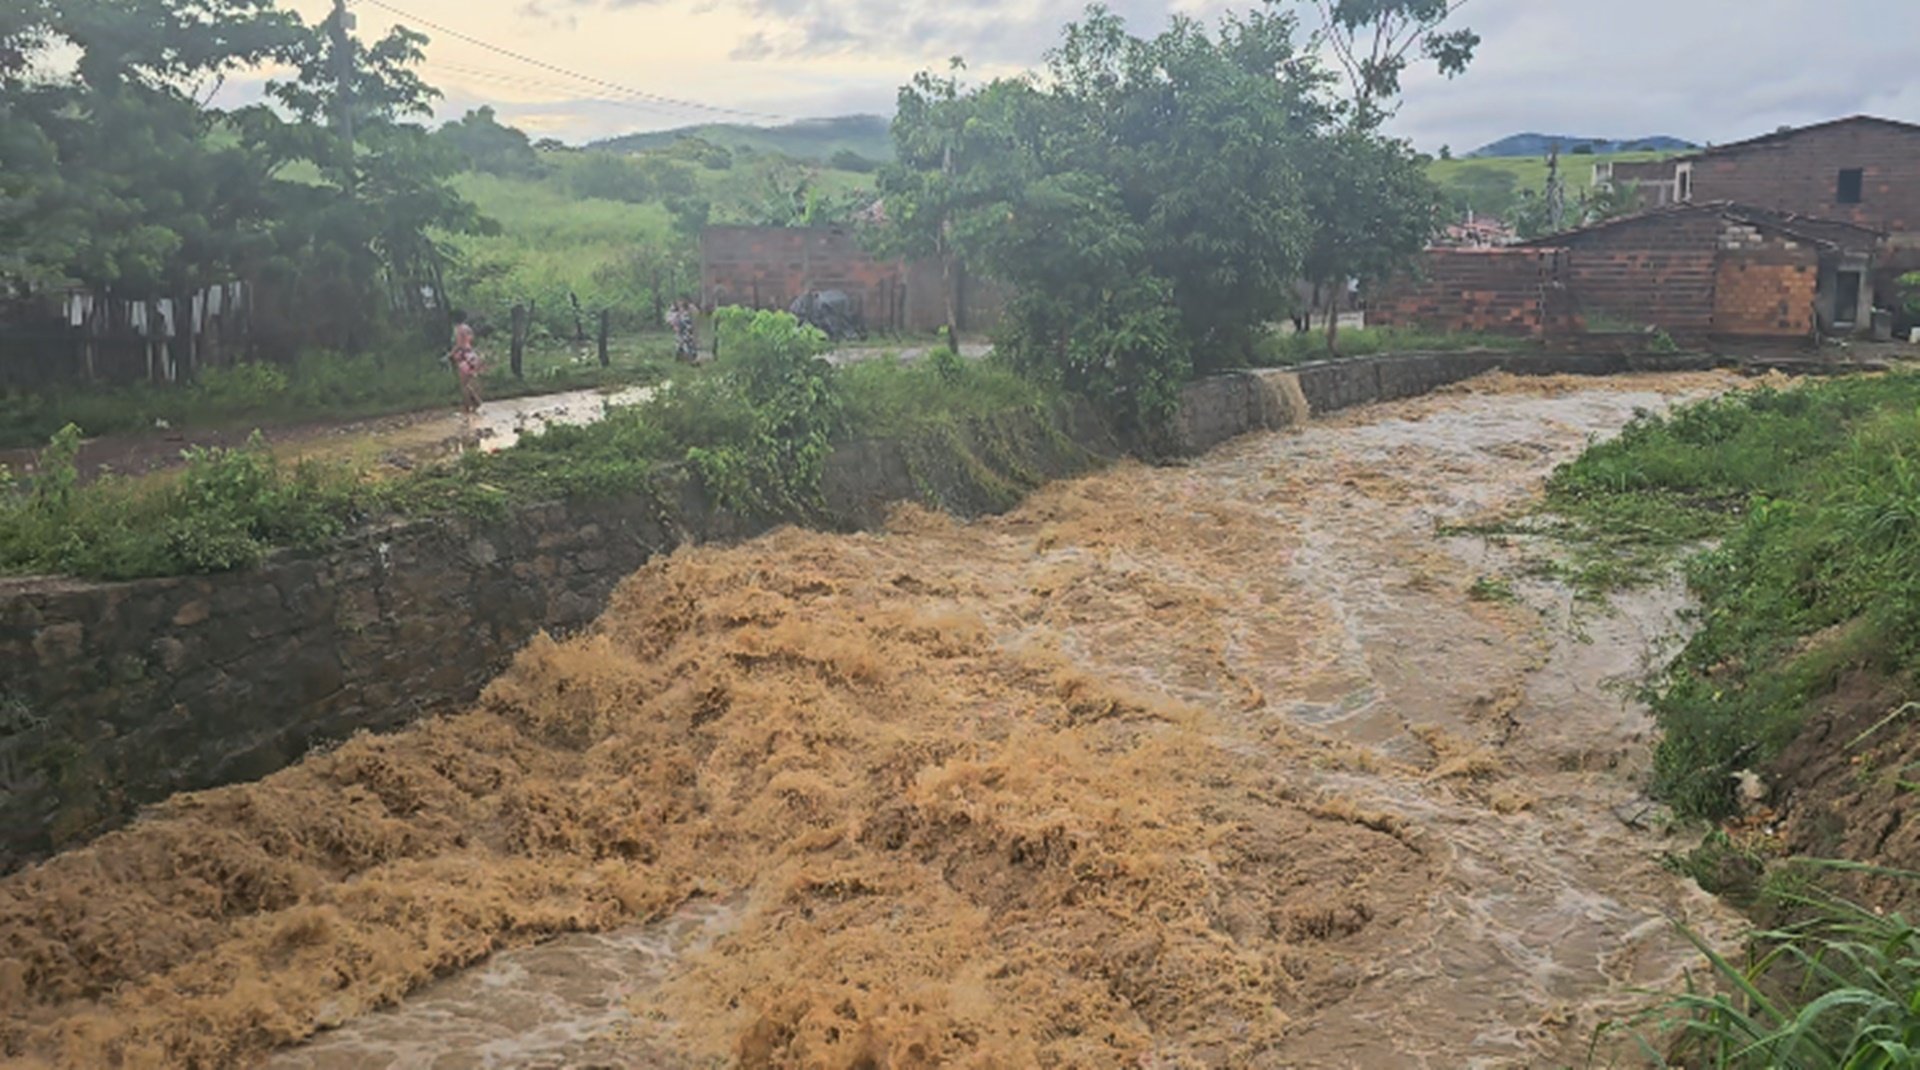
{"points": [[1813, 495], [755, 427], [320, 386], [1284, 347]]}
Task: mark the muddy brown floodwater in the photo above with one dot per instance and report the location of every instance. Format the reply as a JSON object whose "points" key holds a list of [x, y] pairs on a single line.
{"points": [[1212, 765]]}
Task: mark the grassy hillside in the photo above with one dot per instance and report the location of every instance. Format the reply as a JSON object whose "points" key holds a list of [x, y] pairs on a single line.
{"points": [[1492, 185], [808, 139], [554, 241]]}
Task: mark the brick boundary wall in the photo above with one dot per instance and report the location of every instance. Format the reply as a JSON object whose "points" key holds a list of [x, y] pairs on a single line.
{"points": [[118, 694], [1508, 290]]}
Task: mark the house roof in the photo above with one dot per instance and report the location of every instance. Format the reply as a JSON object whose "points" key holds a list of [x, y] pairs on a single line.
{"points": [[1782, 135], [1827, 233]]}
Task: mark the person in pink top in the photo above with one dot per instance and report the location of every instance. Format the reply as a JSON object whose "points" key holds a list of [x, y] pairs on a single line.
{"points": [[466, 361]]}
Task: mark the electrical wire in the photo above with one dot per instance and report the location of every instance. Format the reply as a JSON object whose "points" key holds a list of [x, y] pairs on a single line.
{"points": [[513, 81], [629, 91]]}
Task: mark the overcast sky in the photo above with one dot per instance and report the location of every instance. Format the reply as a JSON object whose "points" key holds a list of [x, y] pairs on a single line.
{"points": [[1705, 70]]}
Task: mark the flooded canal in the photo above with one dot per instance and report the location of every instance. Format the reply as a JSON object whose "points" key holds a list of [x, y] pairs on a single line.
{"points": [[1233, 763]]}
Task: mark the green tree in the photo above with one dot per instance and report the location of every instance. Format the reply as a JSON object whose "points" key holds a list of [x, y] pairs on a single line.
{"points": [[1374, 41], [115, 174], [489, 146], [1143, 200], [1373, 209], [362, 242]]}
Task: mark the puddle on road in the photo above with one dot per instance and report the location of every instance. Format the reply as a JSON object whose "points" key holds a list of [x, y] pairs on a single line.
{"points": [[1210, 765]]}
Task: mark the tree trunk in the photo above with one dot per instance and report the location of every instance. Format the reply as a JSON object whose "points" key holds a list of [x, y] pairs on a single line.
{"points": [[519, 342], [947, 288], [604, 361]]}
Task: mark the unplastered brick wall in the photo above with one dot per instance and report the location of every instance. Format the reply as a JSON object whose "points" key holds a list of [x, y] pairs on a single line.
{"points": [[767, 267], [1656, 271], [1800, 172], [1498, 291], [1764, 296]]}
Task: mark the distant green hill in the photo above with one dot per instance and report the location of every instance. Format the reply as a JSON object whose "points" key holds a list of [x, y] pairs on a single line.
{"points": [[808, 139], [1539, 144]]}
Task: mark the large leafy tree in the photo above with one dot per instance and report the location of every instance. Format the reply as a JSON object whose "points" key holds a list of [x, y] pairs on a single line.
{"points": [[362, 240], [1373, 210], [112, 175], [488, 145], [1143, 199], [115, 173]]}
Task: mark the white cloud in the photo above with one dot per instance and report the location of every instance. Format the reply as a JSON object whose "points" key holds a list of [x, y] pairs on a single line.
{"points": [[1700, 69]]}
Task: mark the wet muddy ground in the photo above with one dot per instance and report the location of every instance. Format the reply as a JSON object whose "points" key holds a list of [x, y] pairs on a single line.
{"points": [[1214, 765]]}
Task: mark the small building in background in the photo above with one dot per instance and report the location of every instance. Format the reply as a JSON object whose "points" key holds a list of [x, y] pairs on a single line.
{"points": [[1477, 232], [1861, 170], [1647, 184], [1692, 270], [769, 267]]}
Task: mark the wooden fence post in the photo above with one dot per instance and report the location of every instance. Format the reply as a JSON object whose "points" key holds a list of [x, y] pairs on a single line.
{"points": [[519, 338], [604, 317]]}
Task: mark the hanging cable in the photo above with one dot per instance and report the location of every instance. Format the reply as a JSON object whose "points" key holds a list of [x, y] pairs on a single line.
{"points": [[636, 94]]}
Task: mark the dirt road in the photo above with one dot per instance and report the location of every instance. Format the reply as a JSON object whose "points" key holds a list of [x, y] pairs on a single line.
{"points": [[1217, 765]]}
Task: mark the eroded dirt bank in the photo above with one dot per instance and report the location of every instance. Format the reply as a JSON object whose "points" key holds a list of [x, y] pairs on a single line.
{"points": [[1215, 766]]}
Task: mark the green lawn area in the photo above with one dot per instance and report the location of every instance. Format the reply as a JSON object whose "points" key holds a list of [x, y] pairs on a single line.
{"points": [[1492, 185]]}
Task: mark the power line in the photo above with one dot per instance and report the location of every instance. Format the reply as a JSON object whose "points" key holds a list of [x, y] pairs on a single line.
{"points": [[629, 91], [515, 81]]}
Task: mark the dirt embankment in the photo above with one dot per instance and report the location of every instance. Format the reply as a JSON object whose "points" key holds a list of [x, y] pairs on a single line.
{"points": [[1848, 787]]}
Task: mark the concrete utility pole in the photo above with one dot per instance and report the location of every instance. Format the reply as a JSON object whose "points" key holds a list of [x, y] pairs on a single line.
{"points": [[1556, 193], [343, 81]]}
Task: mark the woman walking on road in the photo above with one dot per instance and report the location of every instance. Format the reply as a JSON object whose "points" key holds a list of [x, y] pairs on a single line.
{"points": [[467, 363]]}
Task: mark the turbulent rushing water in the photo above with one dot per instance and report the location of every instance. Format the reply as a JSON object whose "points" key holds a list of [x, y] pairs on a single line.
{"points": [[1216, 764]]}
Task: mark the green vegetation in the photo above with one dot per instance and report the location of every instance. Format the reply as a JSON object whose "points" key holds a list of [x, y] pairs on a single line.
{"points": [[114, 176], [1283, 347], [816, 140], [320, 385], [1495, 186], [754, 427], [1836, 989], [1814, 494], [1165, 193]]}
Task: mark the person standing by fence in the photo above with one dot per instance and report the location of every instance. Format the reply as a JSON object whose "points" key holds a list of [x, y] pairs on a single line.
{"points": [[467, 364]]}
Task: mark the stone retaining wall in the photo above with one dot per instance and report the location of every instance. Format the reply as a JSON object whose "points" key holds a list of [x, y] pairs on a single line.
{"points": [[113, 695]]}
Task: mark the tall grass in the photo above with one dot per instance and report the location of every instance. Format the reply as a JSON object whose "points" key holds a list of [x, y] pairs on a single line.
{"points": [[552, 244], [1815, 496], [1838, 988]]}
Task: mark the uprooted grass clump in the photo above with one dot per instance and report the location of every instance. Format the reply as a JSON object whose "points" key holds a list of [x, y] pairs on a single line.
{"points": [[1814, 496], [953, 847]]}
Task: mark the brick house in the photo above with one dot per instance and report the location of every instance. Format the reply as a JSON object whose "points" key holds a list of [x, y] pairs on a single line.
{"points": [[1719, 268], [1692, 270], [1862, 170], [768, 267]]}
